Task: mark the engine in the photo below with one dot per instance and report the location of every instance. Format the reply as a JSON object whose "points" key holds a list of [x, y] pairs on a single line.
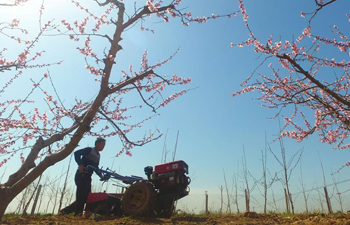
{"points": [[169, 178]]}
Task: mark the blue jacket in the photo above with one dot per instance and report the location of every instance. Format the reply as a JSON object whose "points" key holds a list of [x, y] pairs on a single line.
{"points": [[87, 156]]}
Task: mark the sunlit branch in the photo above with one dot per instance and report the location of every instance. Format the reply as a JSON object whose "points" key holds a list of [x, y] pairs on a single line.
{"points": [[143, 99], [315, 81]]}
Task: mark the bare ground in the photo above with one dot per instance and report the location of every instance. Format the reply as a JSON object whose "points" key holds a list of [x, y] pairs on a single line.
{"points": [[251, 218]]}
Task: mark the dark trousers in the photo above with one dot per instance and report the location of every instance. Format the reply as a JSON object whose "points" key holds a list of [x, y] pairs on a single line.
{"points": [[83, 183]]}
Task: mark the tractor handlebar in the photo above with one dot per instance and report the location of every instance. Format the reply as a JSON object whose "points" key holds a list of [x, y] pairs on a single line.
{"points": [[107, 174]]}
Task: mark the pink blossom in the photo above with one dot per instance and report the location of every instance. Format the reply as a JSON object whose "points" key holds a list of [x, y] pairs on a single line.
{"points": [[307, 31], [171, 12], [49, 98]]}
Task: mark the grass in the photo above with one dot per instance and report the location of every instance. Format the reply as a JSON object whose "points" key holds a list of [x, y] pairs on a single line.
{"points": [[15, 215], [185, 217], [203, 214], [181, 214], [10, 215]]}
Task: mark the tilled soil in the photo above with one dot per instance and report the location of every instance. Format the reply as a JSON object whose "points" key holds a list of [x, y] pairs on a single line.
{"points": [[247, 218]]}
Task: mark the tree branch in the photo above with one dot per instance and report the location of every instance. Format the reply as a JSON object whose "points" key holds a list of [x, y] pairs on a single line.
{"points": [[145, 11], [313, 80], [29, 163], [127, 82]]}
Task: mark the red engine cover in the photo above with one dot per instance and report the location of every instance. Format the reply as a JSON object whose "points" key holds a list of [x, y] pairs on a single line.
{"points": [[96, 197], [171, 166]]}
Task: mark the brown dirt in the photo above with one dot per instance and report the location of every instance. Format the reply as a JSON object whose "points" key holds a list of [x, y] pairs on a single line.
{"points": [[252, 218]]}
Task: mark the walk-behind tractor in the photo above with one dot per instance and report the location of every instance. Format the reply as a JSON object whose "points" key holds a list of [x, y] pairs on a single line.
{"points": [[156, 195]]}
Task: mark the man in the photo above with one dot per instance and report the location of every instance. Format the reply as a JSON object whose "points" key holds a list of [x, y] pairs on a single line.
{"points": [[85, 157]]}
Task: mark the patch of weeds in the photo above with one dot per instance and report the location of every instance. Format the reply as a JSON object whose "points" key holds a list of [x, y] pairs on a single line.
{"points": [[270, 212], [11, 215], [286, 214]]}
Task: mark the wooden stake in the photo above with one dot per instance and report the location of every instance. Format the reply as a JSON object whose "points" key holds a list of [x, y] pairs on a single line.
{"points": [[206, 203]]}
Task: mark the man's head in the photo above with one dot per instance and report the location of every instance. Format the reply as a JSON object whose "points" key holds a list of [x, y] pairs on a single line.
{"points": [[100, 143]]}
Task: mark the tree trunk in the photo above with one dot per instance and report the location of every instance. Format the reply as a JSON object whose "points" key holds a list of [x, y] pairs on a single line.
{"points": [[287, 201], [65, 185], [30, 171], [36, 200], [3, 207], [247, 208], [6, 197], [328, 201]]}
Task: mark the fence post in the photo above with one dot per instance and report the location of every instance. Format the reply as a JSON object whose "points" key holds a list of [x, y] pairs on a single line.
{"points": [[206, 203], [287, 200], [36, 200], [328, 201]]}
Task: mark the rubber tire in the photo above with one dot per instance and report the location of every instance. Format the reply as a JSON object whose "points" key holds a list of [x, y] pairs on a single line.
{"points": [[140, 199]]}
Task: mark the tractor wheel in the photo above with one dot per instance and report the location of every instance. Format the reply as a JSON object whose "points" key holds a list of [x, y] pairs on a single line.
{"points": [[165, 209], [139, 199]]}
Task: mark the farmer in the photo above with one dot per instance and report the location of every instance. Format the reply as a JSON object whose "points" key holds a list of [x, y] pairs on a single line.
{"points": [[85, 157]]}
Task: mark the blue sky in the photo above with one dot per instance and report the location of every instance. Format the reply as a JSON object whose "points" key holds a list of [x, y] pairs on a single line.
{"points": [[213, 126]]}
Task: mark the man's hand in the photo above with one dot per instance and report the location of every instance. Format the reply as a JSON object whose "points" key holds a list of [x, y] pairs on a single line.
{"points": [[81, 168]]}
